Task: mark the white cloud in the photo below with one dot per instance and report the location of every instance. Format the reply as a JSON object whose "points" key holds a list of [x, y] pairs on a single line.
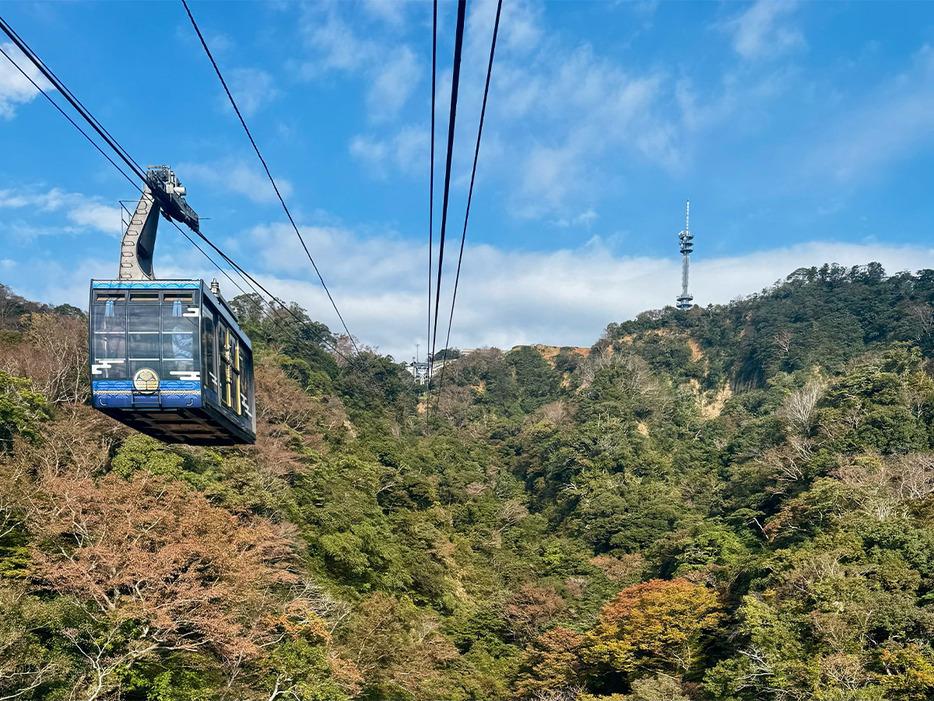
{"points": [[549, 177], [11, 198], [506, 298], [585, 219], [760, 31], [55, 281], [557, 112], [513, 297], [371, 151], [15, 89], [520, 26], [392, 12], [252, 88], [236, 176], [562, 115], [221, 43], [334, 43], [82, 212], [393, 83], [97, 216], [407, 150], [390, 69]]}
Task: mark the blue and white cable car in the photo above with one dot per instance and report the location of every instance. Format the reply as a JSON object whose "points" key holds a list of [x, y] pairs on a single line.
{"points": [[167, 356]]}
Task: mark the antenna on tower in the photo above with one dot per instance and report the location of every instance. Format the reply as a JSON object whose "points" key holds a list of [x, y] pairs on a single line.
{"points": [[687, 246]]}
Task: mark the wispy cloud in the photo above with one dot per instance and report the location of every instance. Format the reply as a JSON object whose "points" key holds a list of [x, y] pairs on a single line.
{"points": [[390, 68], [391, 12], [590, 109], [252, 88], [97, 216], [333, 43], [236, 176], [82, 213], [585, 218], [15, 89], [764, 29], [557, 113], [407, 150], [393, 84], [506, 298]]}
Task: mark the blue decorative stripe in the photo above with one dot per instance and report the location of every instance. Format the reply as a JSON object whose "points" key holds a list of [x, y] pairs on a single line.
{"points": [[192, 385], [111, 385], [145, 284], [172, 394]]}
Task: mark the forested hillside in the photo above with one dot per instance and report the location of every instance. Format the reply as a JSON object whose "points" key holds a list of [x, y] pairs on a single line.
{"points": [[728, 503]]}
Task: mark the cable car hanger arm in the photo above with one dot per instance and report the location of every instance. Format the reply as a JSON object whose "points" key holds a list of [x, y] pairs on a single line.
{"points": [[164, 194]]}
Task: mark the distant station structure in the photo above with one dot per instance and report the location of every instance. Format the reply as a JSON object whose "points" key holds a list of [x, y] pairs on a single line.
{"points": [[686, 239], [419, 370], [422, 370]]}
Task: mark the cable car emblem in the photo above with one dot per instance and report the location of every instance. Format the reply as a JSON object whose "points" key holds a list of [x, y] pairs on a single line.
{"points": [[146, 380]]}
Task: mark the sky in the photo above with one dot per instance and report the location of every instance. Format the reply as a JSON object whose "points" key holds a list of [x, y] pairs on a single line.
{"points": [[802, 132]]}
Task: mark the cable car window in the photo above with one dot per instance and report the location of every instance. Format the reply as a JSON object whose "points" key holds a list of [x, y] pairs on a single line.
{"points": [[108, 341], [109, 313], [246, 377], [178, 335], [178, 346], [144, 346], [223, 342], [235, 399], [208, 351], [143, 317], [229, 367], [109, 346], [109, 318]]}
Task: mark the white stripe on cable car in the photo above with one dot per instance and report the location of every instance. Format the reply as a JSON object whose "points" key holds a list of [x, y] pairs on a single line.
{"points": [[192, 311], [100, 365], [187, 375]]}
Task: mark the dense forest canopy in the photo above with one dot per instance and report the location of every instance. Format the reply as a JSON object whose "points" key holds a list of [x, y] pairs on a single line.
{"points": [[733, 502]]}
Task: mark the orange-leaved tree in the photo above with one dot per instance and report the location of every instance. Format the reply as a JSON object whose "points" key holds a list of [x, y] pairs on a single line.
{"points": [[157, 568], [654, 626], [532, 609], [551, 665]]}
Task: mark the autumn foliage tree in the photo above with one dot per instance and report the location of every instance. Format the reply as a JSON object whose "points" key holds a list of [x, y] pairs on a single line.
{"points": [[654, 626], [155, 568], [531, 609], [552, 663]]}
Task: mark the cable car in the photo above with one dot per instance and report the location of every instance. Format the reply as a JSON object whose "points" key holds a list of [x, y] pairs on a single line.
{"points": [[167, 356]]}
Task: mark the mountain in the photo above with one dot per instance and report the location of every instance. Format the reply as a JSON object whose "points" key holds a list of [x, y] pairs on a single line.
{"points": [[732, 502]]}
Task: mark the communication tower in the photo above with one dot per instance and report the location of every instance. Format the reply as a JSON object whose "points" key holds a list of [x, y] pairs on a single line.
{"points": [[686, 238]]}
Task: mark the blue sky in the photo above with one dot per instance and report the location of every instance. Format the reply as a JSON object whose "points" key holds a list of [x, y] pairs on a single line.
{"points": [[803, 132]]}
